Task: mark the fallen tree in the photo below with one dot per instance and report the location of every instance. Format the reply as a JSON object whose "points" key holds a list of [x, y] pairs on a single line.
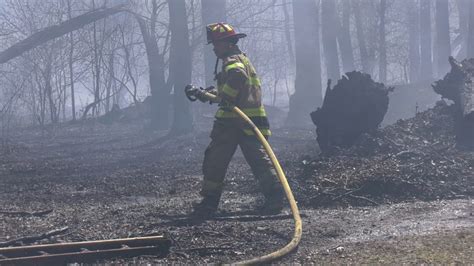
{"points": [[356, 105], [458, 86], [55, 31]]}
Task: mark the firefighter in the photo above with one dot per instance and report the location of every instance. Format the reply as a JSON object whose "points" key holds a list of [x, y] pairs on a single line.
{"points": [[239, 85]]}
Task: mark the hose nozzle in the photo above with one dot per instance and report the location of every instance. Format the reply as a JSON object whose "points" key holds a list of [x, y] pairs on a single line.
{"points": [[192, 92]]}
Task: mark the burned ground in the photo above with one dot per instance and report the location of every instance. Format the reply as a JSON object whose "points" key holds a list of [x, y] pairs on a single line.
{"points": [[416, 158], [406, 184]]}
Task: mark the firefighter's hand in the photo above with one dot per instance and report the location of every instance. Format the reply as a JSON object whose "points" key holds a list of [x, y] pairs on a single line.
{"points": [[211, 90], [200, 95]]}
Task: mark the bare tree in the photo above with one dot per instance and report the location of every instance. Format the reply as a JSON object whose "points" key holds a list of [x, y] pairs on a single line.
{"points": [[156, 65], [128, 65], [361, 38], [414, 40], [212, 11], [329, 34], [443, 40], [71, 64], [15, 88], [289, 41], [462, 39], [470, 32], [382, 42], [344, 38], [79, 62], [307, 93], [425, 40], [96, 70], [180, 66]]}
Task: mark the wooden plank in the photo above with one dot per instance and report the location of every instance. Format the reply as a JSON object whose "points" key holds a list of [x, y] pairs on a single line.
{"points": [[91, 245], [86, 256]]}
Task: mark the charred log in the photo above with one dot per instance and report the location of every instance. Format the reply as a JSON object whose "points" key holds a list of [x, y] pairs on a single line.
{"points": [[356, 105], [458, 86]]}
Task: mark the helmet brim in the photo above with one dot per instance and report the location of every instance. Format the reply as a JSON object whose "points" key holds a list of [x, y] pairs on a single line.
{"points": [[237, 35]]}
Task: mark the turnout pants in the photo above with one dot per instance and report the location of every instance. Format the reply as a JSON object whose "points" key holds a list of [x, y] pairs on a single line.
{"points": [[224, 142]]}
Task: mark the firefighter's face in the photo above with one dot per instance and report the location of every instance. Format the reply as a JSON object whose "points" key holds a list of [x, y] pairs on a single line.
{"points": [[220, 48]]}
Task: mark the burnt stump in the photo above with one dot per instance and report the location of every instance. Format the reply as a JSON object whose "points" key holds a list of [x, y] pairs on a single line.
{"points": [[356, 105], [458, 86]]}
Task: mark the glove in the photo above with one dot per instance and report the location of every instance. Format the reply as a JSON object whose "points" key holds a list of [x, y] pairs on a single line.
{"points": [[211, 90], [200, 95]]}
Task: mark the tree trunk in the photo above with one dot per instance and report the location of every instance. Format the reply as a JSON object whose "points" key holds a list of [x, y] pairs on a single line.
{"points": [[463, 11], [344, 39], [64, 88], [470, 32], [128, 69], [364, 55], [382, 43], [443, 40], [328, 22], [212, 11], [56, 31], [307, 95], [40, 100], [289, 41], [425, 40], [414, 41], [110, 81], [276, 68], [49, 88], [159, 93], [96, 72], [71, 64], [180, 66]]}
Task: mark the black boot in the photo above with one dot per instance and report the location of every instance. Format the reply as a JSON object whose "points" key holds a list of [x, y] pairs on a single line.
{"points": [[274, 203], [271, 207], [206, 208]]}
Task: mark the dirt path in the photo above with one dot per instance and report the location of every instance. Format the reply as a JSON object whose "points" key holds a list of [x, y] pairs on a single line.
{"points": [[115, 181]]}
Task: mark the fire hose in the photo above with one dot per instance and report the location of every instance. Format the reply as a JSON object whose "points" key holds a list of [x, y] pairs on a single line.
{"points": [[192, 93]]}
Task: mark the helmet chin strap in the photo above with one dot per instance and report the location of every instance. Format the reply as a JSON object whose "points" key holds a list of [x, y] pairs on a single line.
{"points": [[231, 46]]}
